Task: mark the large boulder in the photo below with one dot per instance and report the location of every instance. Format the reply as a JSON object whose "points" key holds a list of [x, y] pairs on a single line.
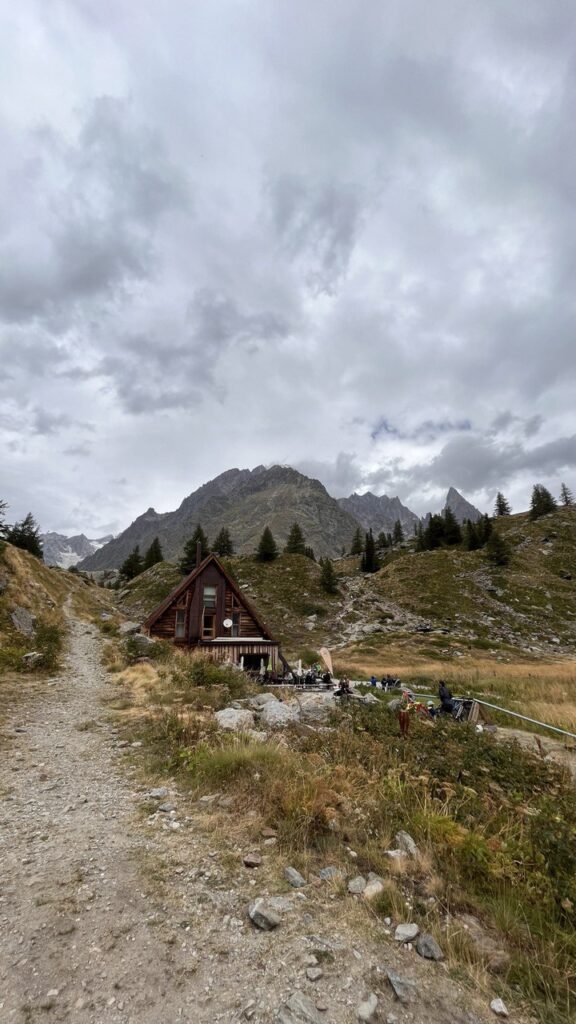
{"points": [[275, 715], [23, 621], [316, 707], [129, 628], [235, 719], [261, 699], [143, 644]]}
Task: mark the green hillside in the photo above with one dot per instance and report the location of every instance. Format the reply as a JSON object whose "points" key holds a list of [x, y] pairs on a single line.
{"points": [[441, 605]]}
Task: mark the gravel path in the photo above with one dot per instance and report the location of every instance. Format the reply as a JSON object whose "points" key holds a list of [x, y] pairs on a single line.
{"points": [[113, 911]]}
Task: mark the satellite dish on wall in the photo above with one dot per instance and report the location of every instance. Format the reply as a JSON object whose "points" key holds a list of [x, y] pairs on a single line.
{"points": [[227, 623]]}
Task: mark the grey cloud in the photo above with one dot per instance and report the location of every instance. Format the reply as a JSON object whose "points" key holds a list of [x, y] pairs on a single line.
{"points": [[341, 477], [158, 372], [474, 463], [319, 223], [81, 451], [97, 202], [45, 422], [428, 430], [331, 225]]}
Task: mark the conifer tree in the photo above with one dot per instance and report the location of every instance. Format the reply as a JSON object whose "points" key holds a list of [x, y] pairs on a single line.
{"points": [[26, 535], [542, 502], [484, 529], [566, 496], [132, 565], [153, 554], [434, 532], [382, 541], [267, 547], [309, 552], [3, 527], [295, 545], [452, 531], [369, 562], [328, 580], [223, 545], [501, 506], [187, 562], [471, 539], [497, 549], [357, 543], [420, 545], [398, 534]]}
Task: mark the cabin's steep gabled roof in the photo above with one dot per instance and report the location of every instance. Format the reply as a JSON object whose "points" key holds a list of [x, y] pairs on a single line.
{"points": [[188, 580]]}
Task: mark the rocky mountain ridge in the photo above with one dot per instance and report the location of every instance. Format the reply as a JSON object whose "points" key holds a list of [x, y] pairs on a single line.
{"points": [[245, 501], [68, 551], [379, 513]]}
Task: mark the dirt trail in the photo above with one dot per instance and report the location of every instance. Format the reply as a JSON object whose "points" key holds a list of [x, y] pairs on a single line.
{"points": [[109, 915]]}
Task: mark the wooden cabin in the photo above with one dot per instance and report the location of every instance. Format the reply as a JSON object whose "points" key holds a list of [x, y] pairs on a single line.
{"points": [[208, 612]]}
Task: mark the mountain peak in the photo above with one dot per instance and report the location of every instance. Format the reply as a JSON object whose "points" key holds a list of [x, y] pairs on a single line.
{"points": [[461, 507]]}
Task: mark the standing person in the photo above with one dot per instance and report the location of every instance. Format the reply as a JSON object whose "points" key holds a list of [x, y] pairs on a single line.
{"points": [[446, 699], [373, 681], [344, 690], [404, 714]]}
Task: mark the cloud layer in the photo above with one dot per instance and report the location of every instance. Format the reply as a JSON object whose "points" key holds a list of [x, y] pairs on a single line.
{"points": [[336, 236]]}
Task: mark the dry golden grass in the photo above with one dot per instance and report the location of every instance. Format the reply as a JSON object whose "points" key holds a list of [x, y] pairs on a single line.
{"points": [[545, 691]]}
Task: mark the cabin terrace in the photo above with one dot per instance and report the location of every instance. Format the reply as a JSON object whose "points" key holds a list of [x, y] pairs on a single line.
{"points": [[208, 612]]}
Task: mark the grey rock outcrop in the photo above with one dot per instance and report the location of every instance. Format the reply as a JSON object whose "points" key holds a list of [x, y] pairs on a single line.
{"points": [[366, 1010], [404, 989], [294, 878], [406, 932], [299, 1009], [263, 915], [23, 621], [275, 715], [235, 719], [427, 947]]}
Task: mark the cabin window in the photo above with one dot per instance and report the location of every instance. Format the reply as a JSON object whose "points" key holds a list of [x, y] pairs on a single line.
{"points": [[180, 630], [209, 597], [235, 631], [208, 626]]}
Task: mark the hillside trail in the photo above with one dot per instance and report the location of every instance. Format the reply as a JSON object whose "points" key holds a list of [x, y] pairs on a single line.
{"points": [[113, 911]]}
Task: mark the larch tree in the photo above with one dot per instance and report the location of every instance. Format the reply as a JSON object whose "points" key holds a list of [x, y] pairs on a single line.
{"points": [[3, 527], [188, 560], [497, 549], [26, 535], [223, 545], [398, 534], [153, 554], [133, 565], [296, 544], [328, 579], [501, 506], [369, 562], [542, 502], [267, 547], [566, 496], [452, 531], [357, 543]]}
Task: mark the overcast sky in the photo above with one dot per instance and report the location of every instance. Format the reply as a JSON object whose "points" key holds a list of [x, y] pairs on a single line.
{"points": [[337, 235]]}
